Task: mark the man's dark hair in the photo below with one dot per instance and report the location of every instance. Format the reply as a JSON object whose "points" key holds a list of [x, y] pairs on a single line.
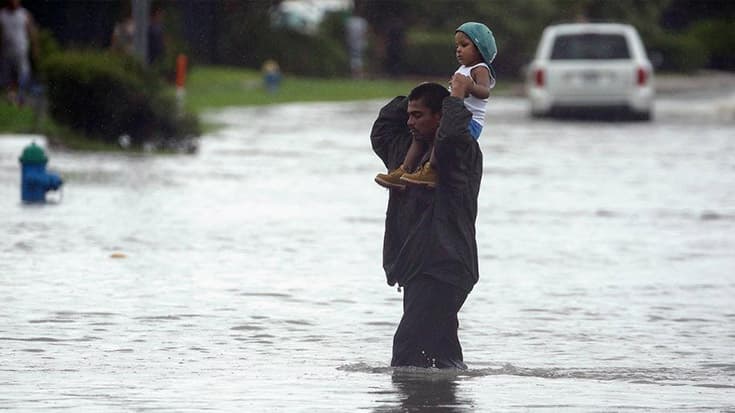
{"points": [[432, 94]]}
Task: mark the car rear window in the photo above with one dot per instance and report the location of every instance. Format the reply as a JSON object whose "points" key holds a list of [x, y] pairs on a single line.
{"points": [[590, 46]]}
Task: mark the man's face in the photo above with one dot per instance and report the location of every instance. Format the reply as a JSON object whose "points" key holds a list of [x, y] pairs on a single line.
{"points": [[422, 122]]}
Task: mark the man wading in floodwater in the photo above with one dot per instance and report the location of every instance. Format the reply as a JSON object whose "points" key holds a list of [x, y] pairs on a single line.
{"points": [[429, 247]]}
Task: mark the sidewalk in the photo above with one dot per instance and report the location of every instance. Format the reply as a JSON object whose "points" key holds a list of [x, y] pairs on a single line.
{"points": [[706, 82]]}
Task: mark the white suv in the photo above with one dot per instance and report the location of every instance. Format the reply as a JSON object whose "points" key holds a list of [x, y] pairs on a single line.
{"points": [[590, 66]]}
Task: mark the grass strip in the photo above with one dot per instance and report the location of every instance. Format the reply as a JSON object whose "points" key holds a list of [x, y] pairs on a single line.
{"points": [[214, 87]]}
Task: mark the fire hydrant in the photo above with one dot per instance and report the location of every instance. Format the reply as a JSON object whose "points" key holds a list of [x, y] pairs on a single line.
{"points": [[35, 181]]}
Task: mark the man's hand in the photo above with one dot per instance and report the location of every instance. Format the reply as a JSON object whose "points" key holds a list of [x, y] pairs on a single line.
{"points": [[461, 85]]}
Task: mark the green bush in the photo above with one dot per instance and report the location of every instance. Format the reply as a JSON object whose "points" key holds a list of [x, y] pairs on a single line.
{"points": [[680, 52], [718, 37], [308, 55], [296, 53], [430, 54], [47, 46], [104, 96], [247, 39], [333, 26]]}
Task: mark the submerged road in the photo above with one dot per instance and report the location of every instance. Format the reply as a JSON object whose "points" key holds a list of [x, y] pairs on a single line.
{"points": [[250, 275]]}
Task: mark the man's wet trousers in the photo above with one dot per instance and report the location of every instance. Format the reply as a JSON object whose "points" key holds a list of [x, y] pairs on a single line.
{"points": [[427, 334]]}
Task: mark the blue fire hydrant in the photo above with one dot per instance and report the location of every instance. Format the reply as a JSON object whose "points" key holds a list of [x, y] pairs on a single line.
{"points": [[34, 180]]}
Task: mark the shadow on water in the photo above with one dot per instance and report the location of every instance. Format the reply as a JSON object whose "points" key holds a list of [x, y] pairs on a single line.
{"points": [[420, 390], [620, 114]]}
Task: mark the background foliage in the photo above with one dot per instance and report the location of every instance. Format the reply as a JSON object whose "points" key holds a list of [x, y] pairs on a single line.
{"points": [[684, 35], [104, 96], [407, 36]]}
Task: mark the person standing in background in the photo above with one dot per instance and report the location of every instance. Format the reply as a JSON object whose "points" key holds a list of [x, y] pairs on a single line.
{"points": [[156, 38], [356, 29], [18, 38], [123, 35], [395, 37]]}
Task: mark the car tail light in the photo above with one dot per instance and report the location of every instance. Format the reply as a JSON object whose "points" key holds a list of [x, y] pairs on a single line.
{"points": [[539, 77], [642, 76]]}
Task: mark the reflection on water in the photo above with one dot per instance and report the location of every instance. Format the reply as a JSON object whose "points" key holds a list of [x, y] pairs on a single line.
{"points": [[248, 276], [417, 389], [427, 392]]}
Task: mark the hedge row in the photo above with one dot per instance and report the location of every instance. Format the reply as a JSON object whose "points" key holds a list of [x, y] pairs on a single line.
{"points": [[105, 96], [296, 53], [430, 54], [306, 55], [707, 44]]}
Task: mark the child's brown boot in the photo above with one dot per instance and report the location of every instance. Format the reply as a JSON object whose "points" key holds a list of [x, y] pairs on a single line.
{"points": [[425, 176], [392, 180]]}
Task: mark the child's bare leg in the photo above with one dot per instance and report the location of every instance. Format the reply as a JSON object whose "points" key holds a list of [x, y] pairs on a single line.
{"points": [[413, 156], [432, 159]]}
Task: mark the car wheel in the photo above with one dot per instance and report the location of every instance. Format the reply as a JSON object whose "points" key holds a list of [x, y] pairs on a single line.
{"points": [[642, 116]]}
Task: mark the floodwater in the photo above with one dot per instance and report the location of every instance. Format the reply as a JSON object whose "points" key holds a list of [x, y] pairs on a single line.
{"points": [[249, 275]]}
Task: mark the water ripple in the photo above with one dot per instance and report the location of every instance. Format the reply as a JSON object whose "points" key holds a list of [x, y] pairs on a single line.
{"points": [[50, 339], [247, 328], [659, 376], [54, 320]]}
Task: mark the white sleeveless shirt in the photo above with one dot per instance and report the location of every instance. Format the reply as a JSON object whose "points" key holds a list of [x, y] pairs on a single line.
{"points": [[473, 104]]}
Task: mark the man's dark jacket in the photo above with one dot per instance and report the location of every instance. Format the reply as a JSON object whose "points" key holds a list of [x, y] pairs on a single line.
{"points": [[429, 231]]}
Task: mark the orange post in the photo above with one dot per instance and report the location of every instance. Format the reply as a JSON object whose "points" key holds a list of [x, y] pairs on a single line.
{"points": [[181, 62]]}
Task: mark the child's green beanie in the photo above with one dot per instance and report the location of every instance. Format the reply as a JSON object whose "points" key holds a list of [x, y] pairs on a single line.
{"points": [[483, 39]]}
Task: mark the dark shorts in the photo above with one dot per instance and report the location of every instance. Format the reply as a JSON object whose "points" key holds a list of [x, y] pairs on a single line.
{"points": [[475, 129], [14, 69], [427, 334]]}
